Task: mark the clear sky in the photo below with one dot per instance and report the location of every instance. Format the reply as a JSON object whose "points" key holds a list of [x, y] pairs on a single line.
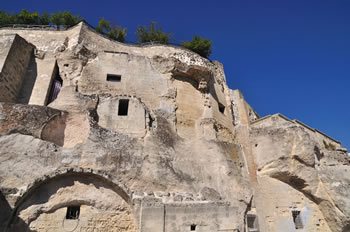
{"points": [[287, 56]]}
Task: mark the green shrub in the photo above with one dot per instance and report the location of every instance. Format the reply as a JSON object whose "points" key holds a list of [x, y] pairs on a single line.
{"points": [[44, 19], [103, 26], [33, 18], [6, 18], [114, 32], [199, 45], [152, 34], [64, 19], [25, 17], [118, 34]]}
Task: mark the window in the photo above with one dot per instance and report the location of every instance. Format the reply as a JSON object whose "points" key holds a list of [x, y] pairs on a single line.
{"points": [[73, 212], [221, 108], [114, 78], [193, 227], [123, 107], [252, 223], [297, 219], [55, 87]]}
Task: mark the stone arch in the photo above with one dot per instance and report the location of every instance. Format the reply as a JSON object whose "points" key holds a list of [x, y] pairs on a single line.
{"points": [[51, 194]]}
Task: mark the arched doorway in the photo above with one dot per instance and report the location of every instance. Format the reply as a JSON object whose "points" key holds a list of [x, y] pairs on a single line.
{"points": [[74, 201]]}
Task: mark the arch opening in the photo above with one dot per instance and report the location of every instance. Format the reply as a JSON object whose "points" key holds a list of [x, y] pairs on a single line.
{"points": [[102, 204]]}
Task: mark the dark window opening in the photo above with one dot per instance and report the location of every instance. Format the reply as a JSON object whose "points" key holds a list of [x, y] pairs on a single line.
{"points": [[114, 78], [73, 212], [55, 87], [252, 223], [297, 219], [221, 108], [193, 227], [123, 107], [150, 122]]}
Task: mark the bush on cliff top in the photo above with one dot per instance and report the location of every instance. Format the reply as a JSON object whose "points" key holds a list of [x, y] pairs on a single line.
{"points": [[113, 32], [152, 34], [145, 34], [34, 18], [199, 45]]}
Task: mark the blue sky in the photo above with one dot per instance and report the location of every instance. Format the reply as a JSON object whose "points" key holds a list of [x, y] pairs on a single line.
{"points": [[291, 57]]}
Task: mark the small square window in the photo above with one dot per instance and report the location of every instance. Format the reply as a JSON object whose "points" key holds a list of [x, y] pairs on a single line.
{"points": [[123, 107], [193, 227], [73, 212], [114, 77], [221, 108]]}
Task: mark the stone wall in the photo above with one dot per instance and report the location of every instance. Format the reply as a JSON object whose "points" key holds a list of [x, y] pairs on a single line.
{"points": [[133, 122], [14, 66], [46, 70]]}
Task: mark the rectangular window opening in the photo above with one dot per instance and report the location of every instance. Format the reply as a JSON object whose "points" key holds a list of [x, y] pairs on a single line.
{"points": [[114, 77], [193, 227], [252, 223], [297, 219], [123, 107], [73, 212], [221, 108]]}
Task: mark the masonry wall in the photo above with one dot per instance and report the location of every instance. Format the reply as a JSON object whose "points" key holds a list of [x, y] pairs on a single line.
{"points": [[203, 217], [14, 67], [190, 216]]}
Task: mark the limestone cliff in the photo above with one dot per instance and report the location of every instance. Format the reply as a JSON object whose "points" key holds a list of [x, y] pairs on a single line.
{"points": [[97, 135]]}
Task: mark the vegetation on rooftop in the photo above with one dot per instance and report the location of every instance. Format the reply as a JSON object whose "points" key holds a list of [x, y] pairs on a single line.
{"points": [[152, 33], [58, 19], [113, 32]]}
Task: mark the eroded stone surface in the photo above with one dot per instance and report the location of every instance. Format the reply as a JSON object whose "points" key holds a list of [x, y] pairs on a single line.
{"points": [[150, 138]]}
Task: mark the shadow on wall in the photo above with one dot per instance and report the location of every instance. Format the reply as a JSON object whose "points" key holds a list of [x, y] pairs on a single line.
{"points": [[28, 82], [5, 215], [5, 211]]}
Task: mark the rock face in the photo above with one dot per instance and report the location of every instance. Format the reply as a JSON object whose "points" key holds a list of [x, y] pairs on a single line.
{"points": [[97, 135]]}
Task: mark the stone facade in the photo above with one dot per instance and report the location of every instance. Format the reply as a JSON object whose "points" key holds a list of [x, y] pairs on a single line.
{"points": [[97, 135]]}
